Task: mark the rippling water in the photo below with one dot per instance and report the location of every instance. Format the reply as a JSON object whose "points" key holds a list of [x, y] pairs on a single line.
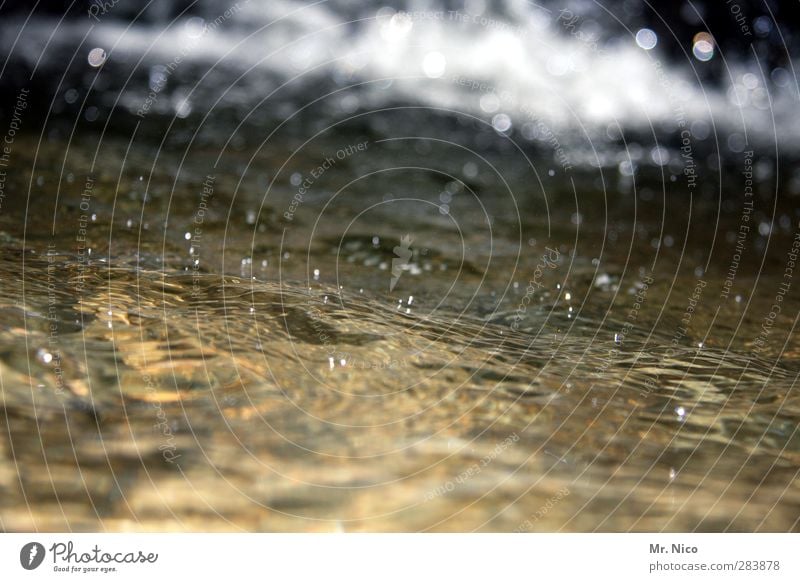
{"points": [[177, 353]]}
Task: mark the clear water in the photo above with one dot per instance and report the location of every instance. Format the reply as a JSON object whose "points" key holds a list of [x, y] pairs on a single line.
{"points": [[284, 383]]}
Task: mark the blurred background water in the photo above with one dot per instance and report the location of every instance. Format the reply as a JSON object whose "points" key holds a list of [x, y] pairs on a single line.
{"points": [[505, 266]]}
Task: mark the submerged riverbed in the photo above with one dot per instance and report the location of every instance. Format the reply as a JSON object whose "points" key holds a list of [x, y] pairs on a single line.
{"points": [[274, 342]]}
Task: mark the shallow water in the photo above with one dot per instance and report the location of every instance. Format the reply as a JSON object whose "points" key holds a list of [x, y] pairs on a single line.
{"points": [[152, 381]]}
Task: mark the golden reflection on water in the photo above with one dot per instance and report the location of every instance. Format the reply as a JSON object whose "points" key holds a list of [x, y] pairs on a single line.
{"points": [[139, 393]]}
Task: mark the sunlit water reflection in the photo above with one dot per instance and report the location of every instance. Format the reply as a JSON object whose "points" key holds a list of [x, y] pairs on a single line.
{"points": [[263, 373]]}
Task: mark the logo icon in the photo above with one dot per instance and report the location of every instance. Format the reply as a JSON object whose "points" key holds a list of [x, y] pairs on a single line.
{"points": [[31, 555], [403, 254]]}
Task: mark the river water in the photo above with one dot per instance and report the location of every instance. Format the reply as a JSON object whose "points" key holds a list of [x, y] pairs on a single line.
{"points": [[405, 323]]}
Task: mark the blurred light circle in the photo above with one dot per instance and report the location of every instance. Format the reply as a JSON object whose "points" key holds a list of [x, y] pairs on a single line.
{"points": [[750, 80], [470, 170], [71, 96], [646, 39], [476, 7], [183, 109], [659, 155], [501, 122], [383, 15], [780, 77], [97, 57], [761, 99], [529, 131], [434, 65], [738, 96], [762, 25], [195, 27], [158, 77], [349, 103], [700, 129], [558, 65], [490, 103], [703, 48], [398, 26], [627, 168], [736, 142]]}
